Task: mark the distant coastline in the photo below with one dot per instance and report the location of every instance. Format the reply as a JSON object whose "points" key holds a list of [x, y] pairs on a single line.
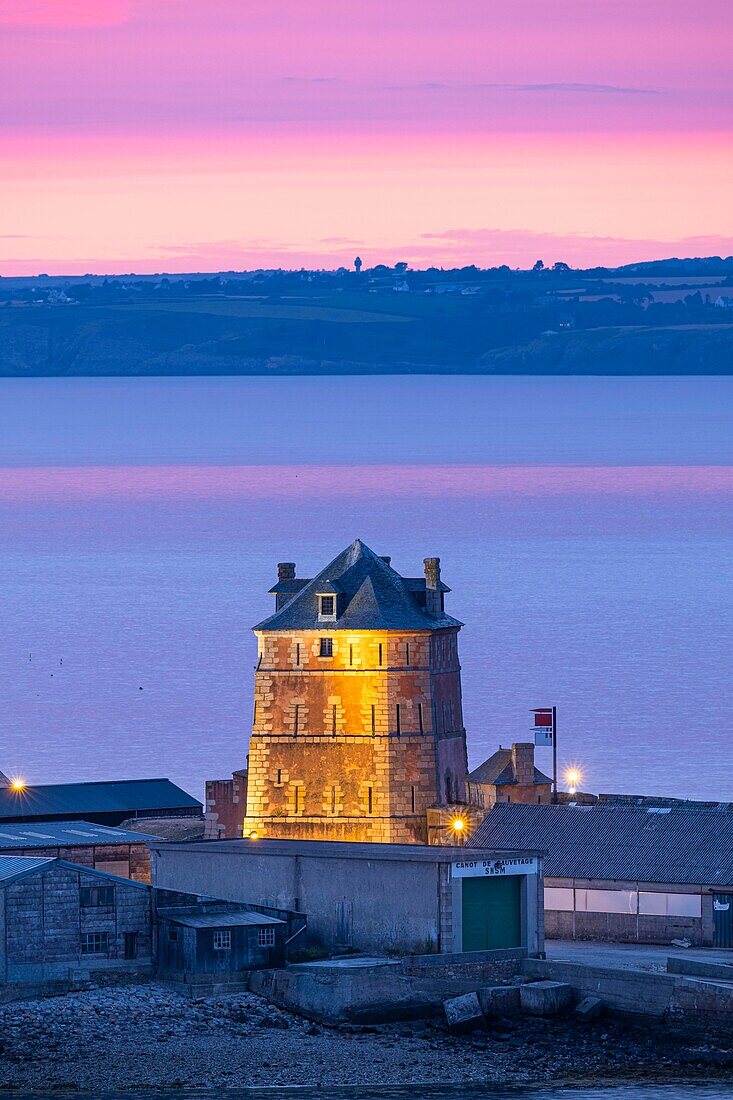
{"points": [[663, 317]]}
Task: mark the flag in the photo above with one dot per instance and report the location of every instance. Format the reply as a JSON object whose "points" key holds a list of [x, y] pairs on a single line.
{"points": [[544, 727]]}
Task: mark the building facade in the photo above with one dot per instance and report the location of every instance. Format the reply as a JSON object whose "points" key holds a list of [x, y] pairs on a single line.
{"points": [[405, 898], [627, 874], [358, 725]]}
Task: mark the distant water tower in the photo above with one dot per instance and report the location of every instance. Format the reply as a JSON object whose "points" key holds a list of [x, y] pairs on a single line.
{"points": [[357, 264]]}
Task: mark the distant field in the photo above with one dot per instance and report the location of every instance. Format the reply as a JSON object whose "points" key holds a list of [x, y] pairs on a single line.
{"points": [[286, 311]]}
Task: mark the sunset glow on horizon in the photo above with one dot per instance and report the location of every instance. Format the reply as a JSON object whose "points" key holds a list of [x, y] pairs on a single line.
{"points": [[188, 135]]}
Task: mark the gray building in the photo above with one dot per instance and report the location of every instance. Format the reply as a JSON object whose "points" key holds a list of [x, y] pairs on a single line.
{"points": [[646, 874], [57, 919], [373, 897], [116, 851]]}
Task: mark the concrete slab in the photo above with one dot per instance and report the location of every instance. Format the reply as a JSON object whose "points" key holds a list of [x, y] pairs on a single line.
{"points": [[347, 963], [631, 956]]}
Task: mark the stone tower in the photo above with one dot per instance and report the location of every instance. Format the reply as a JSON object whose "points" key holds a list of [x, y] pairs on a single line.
{"points": [[358, 727]]}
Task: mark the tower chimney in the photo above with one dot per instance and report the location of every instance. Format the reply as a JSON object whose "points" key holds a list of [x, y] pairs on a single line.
{"points": [[433, 595], [286, 571]]}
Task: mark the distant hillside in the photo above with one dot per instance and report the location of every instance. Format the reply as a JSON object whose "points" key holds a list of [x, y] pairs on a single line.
{"points": [[386, 320]]}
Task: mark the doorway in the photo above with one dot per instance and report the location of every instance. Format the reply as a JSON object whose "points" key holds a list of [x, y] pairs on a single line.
{"points": [[491, 912]]}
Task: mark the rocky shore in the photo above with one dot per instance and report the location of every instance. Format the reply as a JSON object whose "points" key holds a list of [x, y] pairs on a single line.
{"points": [[141, 1035]]}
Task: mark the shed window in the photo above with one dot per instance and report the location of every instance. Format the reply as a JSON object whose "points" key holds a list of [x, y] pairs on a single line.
{"points": [[173, 933], [95, 943], [266, 937], [222, 940], [92, 896], [326, 647]]}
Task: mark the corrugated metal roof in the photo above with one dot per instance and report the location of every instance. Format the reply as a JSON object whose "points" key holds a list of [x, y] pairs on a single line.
{"points": [[76, 834], [12, 867], [620, 843], [222, 920], [116, 796]]}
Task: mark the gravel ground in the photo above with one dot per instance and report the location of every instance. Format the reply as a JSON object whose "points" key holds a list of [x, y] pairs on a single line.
{"points": [[138, 1035]]}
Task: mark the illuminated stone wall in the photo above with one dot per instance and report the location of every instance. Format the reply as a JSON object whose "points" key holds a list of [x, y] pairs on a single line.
{"points": [[357, 745]]}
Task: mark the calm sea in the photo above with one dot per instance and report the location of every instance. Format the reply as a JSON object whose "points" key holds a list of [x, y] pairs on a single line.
{"points": [[584, 526]]}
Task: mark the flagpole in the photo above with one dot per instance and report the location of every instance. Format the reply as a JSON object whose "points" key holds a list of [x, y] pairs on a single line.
{"points": [[554, 754]]}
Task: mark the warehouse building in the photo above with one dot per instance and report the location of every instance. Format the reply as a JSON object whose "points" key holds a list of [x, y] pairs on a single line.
{"points": [[629, 874], [116, 851], [373, 897], [104, 803]]}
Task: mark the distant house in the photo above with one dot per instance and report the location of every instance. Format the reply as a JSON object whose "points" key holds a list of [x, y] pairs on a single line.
{"points": [[104, 803], [402, 287], [614, 872], [115, 851], [724, 301], [509, 775]]}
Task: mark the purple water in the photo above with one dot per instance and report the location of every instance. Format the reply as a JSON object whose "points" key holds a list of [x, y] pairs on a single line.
{"points": [[584, 526]]}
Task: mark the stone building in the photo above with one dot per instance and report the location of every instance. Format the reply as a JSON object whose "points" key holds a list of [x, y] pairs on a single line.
{"points": [[358, 725], [509, 775], [59, 922]]}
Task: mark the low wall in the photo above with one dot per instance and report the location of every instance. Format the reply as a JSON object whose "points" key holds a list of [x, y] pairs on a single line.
{"points": [[378, 990], [695, 1002]]}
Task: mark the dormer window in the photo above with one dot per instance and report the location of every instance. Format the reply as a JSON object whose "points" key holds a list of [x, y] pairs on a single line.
{"points": [[328, 602]]}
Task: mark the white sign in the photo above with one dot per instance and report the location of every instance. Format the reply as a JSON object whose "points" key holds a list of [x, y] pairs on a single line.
{"points": [[510, 865]]}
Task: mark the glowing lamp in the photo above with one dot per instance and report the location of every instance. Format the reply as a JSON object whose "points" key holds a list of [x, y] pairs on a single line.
{"points": [[458, 825], [17, 784], [254, 835], [573, 777]]}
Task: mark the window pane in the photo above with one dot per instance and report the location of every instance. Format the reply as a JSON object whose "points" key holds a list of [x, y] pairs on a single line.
{"points": [[656, 904], [326, 647], [559, 897]]}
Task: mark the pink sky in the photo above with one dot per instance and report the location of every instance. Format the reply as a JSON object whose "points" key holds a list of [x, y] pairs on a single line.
{"points": [[202, 134]]}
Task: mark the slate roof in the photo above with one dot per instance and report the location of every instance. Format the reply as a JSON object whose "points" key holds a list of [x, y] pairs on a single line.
{"points": [[373, 596], [618, 843], [66, 834], [15, 867], [79, 799], [499, 770]]}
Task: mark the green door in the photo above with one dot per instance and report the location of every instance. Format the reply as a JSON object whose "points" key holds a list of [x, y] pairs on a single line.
{"points": [[491, 913]]}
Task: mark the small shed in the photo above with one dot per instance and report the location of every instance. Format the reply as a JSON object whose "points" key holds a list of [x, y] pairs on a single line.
{"points": [[219, 942]]}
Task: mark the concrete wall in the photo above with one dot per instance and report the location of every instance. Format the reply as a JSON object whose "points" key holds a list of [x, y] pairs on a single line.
{"points": [[695, 1003], [404, 989], [388, 904], [44, 922]]}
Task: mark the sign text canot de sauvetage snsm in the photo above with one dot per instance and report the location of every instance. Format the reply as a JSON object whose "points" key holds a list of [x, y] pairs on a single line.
{"points": [[476, 868]]}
